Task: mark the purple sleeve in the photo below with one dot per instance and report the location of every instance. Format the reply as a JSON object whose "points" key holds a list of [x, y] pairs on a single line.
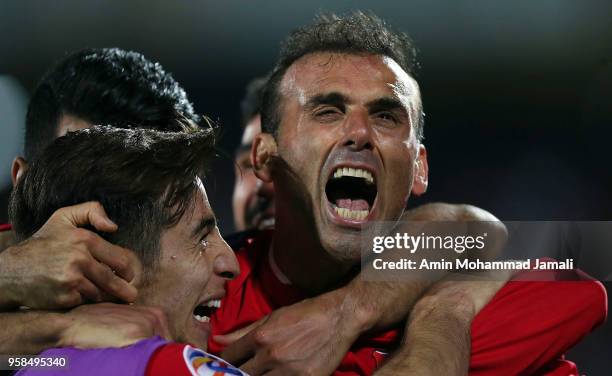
{"points": [[131, 360]]}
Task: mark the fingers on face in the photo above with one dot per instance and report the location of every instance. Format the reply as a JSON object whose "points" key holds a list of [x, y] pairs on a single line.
{"points": [[102, 276], [122, 261], [108, 266]]}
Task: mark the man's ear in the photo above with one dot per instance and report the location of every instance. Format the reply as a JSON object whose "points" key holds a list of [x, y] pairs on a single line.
{"points": [[18, 168], [263, 150], [421, 172]]}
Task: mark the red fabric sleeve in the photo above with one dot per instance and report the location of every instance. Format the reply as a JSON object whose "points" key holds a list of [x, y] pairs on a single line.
{"points": [[529, 323], [168, 360], [5, 227]]}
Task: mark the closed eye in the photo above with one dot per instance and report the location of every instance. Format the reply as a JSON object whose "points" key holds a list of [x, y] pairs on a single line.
{"points": [[203, 230], [387, 116], [388, 111], [328, 114]]}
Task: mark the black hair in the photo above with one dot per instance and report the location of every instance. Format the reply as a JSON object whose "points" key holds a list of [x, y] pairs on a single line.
{"points": [[105, 86], [357, 33], [144, 179], [251, 103]]}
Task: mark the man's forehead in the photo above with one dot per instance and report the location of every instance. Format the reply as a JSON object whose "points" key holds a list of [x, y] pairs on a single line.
{"points": [[201, 192], [198, 216], [320, 72], [200, 206]]}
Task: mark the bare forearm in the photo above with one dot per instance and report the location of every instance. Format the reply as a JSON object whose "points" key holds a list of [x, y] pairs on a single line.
{"points": [[437, 336], [436, 340], [370, 305], [477, 220], [9, 299], [380, 305], [30, 332]]}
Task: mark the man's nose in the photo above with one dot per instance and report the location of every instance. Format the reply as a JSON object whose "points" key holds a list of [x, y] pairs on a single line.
{"points": [[226, 264], [358, 132]]}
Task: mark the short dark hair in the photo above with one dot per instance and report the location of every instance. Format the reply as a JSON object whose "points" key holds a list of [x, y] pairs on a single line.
{"points": [[144, 179], [251, 103], [105, 86], [357, 33]]}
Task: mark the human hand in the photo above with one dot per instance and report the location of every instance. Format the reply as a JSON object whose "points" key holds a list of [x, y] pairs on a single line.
{"points": [[307, 338], [62, 265]]}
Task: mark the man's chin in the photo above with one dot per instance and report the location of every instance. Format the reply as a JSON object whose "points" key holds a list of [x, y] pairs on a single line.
{"points": [[343, 245], [197, 335]]}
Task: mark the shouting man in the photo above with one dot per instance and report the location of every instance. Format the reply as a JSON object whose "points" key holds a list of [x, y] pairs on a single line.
{"points": [[342, 143]]}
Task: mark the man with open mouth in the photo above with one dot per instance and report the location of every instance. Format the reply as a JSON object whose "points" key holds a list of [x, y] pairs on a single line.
{"points": [[342, 144], [72, 96], [342, 126], [42, 272], [86, 87], [150, 184]]}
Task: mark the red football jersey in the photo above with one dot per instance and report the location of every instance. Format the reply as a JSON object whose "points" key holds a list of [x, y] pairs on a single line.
{"points": [[525, 329]]}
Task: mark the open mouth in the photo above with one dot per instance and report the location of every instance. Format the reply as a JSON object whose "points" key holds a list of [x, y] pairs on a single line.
{"points": [[203, 312], [351, 192]]}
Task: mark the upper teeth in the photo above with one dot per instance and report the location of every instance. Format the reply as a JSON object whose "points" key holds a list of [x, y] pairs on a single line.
{"points": [[354, 172]]}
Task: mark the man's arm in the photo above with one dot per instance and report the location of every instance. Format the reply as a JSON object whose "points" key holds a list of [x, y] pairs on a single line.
{"points": [[315, 334], [437, 337], [30, 332], [59, 267], [524, 328], [87, 326], [380, 305], [436, 340]]}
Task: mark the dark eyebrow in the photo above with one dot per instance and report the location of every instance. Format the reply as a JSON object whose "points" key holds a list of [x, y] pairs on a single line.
{"points": [[334, 99], [385, 104], [206, 223]]}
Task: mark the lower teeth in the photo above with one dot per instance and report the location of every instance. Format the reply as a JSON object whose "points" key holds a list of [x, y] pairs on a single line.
{"points": [[202, 318], [351, 214]]}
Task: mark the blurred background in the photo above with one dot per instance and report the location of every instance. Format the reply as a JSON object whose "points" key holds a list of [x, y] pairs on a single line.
{"points": [[517, 95]]}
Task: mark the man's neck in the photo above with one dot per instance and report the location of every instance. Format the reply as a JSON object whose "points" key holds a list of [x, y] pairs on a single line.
{"points": [[301, 257]]}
